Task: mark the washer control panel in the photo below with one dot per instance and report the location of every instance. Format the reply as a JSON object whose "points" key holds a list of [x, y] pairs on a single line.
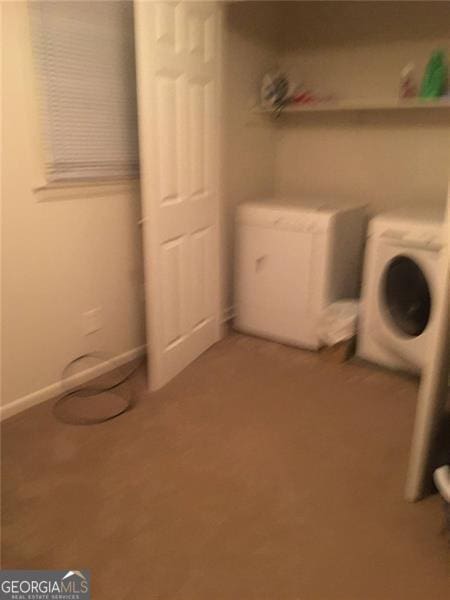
{"points": [[415, 239]]}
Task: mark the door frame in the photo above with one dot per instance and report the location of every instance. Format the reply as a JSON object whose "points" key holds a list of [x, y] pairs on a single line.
{"points": [[433, 385]]}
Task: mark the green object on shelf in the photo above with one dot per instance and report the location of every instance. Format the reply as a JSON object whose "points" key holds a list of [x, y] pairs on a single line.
{"points": [[435, 78]]}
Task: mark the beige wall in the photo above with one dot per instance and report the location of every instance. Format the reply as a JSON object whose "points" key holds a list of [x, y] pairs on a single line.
{"points": [[353, 50], [61, 257], [251, 39]]}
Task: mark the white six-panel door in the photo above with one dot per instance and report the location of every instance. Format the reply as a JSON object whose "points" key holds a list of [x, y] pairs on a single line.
{"points": [[178, 71]]}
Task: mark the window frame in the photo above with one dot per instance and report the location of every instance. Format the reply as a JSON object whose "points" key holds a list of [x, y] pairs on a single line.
{"points": [[43, 189]]}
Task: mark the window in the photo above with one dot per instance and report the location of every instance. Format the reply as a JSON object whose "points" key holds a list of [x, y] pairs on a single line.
{"points": [[86, 72]]}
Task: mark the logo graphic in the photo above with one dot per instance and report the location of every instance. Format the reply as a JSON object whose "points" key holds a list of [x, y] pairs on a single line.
{"points": [[45, 585], [70, 573]]}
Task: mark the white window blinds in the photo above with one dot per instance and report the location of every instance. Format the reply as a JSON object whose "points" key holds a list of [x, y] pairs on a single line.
{"points": [[85, 60]]}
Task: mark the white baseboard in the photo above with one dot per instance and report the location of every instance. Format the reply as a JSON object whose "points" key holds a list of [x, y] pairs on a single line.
{"points": [[53, 390]]}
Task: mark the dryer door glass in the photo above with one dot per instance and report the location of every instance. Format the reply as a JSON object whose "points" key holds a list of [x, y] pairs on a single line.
{"points": [[407, 295]]}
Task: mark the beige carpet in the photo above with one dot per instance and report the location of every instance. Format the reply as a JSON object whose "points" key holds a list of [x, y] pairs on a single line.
{"points": [[258, 473]]}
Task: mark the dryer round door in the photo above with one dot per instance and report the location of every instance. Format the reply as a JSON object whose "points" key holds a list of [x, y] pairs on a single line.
{"points": [[406, 295]]}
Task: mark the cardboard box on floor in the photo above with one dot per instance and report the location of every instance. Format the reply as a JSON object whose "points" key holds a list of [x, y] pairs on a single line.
{"points": [[340, 352]]}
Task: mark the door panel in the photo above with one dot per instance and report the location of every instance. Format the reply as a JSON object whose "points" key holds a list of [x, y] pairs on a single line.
{"points": [[168, 89], [202, 272], [196, 155], [172, 291], [178, 66]]}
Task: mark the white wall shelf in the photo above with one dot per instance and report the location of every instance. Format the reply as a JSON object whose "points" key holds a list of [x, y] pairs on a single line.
{"points": [[364, 104]]}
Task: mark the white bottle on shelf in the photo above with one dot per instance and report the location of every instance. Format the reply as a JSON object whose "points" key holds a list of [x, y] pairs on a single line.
{"points": [[408, 85]]}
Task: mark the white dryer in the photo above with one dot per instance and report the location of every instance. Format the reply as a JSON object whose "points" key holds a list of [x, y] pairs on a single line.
{"points": [[293, 259], [399, 286]]}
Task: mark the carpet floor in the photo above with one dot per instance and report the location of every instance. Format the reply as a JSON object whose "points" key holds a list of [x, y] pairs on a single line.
{"points": [[259, 473]]}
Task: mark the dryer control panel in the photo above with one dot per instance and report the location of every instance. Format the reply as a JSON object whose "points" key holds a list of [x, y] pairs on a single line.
{"points": [[285, 219]]}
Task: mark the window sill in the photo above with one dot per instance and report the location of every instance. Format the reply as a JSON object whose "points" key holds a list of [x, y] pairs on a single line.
{"points": [[70, 190]]}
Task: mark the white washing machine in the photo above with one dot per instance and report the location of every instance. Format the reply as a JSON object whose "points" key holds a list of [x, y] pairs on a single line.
{"points": [[293, 258], [399, 286]]}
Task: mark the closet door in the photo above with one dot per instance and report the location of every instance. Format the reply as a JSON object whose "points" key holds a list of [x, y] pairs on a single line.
{"points": [[178, 58], [433, 388]]}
